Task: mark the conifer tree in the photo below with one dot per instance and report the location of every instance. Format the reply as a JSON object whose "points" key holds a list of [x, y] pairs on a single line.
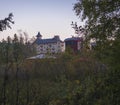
{"points": [[6, 22]]}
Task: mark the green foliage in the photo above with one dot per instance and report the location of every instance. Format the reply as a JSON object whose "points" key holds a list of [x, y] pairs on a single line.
{"points": [[56, 81], [103, 23], [12, 49], [102, 20], [69, 79]]}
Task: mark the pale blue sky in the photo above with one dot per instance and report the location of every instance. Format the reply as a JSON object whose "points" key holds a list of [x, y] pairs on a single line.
{"points": [[50, 17]]}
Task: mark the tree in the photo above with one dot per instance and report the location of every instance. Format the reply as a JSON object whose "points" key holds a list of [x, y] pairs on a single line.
{"points": [[102, 18], [6, 22], [6, 62], [103, 23]]}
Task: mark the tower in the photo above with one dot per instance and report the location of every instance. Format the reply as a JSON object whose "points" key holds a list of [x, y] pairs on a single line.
{"points": [[39, 36]]}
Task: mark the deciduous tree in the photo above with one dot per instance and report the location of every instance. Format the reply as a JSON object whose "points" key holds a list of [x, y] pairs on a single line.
{"points": [[103, 23]]}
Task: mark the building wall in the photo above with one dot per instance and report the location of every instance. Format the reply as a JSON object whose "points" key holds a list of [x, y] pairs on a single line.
{"points": [[74, 43], [50, 48]]}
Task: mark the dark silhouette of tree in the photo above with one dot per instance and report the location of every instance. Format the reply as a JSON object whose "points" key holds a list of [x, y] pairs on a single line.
{"points": [[6, 22]]}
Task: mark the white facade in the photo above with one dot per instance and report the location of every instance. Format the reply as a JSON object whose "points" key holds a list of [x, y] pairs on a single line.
{"points": [[52, 46]]}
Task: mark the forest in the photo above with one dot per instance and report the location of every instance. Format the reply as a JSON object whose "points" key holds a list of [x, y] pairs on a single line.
{"points": [[70, 79]]}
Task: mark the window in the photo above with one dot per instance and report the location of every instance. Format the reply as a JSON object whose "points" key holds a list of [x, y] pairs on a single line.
{"points": [[50, 45]]}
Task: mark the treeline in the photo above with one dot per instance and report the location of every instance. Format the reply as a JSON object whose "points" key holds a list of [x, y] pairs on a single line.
{"points": [[70, 79], [12, 54], [16, 46]]}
